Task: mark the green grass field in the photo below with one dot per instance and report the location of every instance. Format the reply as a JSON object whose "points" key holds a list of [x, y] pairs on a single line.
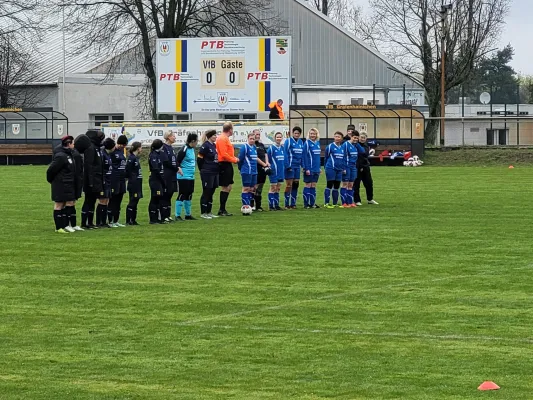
{"points": [[422, 297]]}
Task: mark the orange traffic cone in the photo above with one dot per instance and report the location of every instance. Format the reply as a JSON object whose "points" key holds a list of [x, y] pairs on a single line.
{"points": [[488, 385]]}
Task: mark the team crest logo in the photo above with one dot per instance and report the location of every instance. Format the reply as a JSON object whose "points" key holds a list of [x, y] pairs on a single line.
{"points": [[164, 48], [222, 99], [16, 129], [281, 45]]}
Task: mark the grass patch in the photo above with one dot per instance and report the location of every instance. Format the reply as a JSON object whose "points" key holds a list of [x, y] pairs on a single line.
{"points": [[480, 157], [422, 297]]}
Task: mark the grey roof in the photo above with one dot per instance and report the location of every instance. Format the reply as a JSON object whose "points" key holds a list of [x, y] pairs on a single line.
{"points": [[50, 56], [324, 53]]}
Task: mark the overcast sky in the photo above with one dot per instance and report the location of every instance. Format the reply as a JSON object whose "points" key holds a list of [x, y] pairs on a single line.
{"points": [[517, 32]]}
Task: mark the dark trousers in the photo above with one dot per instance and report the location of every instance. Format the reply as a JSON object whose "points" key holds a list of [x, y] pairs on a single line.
{"points": [[166, 202], [364, 175], [87, 210], [113, 211], [131, 210], [154, 209]]}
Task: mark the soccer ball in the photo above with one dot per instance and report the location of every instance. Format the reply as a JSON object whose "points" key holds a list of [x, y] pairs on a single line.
{"points": [[246, 210]]}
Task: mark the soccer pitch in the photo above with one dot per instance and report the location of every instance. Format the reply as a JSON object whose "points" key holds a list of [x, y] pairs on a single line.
{"points": [[422, 297]]}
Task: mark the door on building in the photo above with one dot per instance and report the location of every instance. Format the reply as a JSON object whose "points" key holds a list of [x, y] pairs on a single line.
{"points": [[497, 136]]}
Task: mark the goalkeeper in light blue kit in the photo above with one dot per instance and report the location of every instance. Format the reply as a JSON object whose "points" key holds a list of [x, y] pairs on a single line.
{"points": [[248, 167], [311, 164], [335, 166], [293, 161]]}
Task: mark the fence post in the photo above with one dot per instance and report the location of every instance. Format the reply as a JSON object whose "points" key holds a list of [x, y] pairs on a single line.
{"points": [[518, 114]]}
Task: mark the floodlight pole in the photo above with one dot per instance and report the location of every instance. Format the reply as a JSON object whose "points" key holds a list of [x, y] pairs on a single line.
{"points": [[64, 60]]}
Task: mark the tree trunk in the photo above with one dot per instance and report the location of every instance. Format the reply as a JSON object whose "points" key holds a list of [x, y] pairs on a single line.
{"points": [[433, 125]]}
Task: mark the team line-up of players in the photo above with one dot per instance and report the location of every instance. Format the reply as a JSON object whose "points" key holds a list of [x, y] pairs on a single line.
{"points": [[106, 170]]}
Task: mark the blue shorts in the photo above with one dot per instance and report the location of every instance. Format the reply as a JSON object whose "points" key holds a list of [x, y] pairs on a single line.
{"points": [[293, 173], [249, 180], [275, 179], [350, 175], [333, 175], [313, 178]]}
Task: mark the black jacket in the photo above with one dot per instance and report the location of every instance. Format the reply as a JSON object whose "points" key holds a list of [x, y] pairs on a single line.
{"points": [[118, 176], [207, 160], [78, 178], [170, 165], [134, 175], [93, 166], [157, 178], [61, 174], [362, 157]]}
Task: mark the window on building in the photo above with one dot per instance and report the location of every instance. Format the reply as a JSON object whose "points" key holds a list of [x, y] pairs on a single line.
{"points": [[99, 119], [334, 102], [358, 101]]}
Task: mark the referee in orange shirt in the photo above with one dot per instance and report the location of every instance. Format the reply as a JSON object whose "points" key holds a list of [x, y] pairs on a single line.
{"points": [[226, 159]]}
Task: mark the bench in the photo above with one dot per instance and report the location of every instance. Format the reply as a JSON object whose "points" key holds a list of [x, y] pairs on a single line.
{"points": [[11, 154], [376, 159]]}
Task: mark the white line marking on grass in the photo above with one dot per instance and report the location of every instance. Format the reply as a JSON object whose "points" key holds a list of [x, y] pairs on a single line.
{"points": [[328, 297], [369, 333]]}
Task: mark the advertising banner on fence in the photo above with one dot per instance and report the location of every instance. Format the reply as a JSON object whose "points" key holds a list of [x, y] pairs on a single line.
{"points": [[147, 133]]}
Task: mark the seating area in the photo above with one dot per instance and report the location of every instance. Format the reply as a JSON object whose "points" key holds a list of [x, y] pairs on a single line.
{"points": [[19, 154]]}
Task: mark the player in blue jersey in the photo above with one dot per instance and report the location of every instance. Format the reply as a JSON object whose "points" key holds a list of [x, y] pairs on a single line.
{"points": [[293, 162], [311, 166], [350, 152], [276, 158], [248, 167], [335, 167]]}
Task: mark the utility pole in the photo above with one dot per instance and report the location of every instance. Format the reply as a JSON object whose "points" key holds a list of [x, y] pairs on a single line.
{"points": [[444, 34]]}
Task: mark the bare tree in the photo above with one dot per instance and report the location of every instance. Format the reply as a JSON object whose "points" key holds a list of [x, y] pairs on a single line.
{"points": [[110, 27], [349, 15], [20, 26], [17, 72], [410, 33], [19, 15]]}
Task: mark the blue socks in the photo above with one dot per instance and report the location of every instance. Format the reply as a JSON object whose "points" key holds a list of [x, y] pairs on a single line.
{"points": [[245, 199], [287, 199], [343, 196], [312, 197], [271, 200], [179, 205], [335, 196], [327, 195], [187, 205], [294, 196], [306, 196]]}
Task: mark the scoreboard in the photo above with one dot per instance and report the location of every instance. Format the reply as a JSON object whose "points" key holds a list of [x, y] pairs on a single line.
{"points": [[231, 75]]}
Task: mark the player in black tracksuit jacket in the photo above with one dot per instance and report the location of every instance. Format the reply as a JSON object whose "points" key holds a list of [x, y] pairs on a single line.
{"points": [[157, 182], [135, 182], [363, 173], [170, 171], [61, 175], [118, 181], [93, 175], [105, 195]]}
